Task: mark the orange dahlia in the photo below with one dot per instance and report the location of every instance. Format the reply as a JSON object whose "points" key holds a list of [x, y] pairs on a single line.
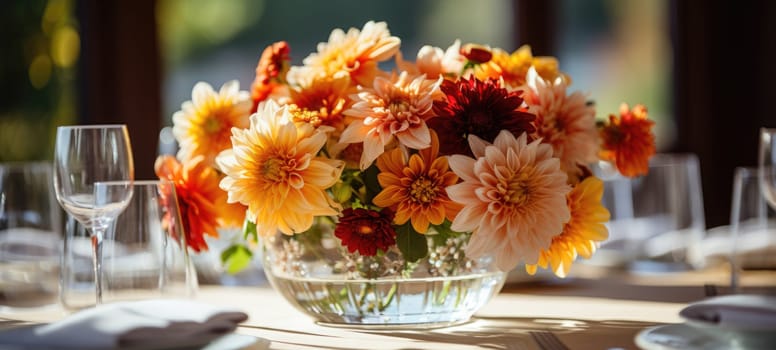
{"points": [[581, 234], [416, 189], [203, 125], [514, 198], [628, 141], [270, 72], [274, 169], [203, 205], [321, 100]]}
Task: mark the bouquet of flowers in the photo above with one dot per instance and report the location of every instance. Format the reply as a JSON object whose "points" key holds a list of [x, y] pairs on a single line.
{"points": [[471, 144]]}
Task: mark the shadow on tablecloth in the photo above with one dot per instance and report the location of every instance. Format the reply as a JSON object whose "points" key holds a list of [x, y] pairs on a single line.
{"points": [[514, 333]]}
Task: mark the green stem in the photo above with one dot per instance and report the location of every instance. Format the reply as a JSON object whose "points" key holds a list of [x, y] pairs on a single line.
{"points": [[445, 291], [461, 292], [364, 292], [391, 294], [335, 298]]}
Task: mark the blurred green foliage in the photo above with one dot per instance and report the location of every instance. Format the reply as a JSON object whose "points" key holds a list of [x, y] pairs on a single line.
{"points": [[40, 47]]}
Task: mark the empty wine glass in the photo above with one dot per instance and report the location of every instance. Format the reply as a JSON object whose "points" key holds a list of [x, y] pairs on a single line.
{"points": [[85, 156], [767, 165], [144, 254]]}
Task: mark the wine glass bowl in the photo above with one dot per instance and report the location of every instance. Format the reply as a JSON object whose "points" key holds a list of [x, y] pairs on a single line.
{"points": [[767, 165], [86, 156]]}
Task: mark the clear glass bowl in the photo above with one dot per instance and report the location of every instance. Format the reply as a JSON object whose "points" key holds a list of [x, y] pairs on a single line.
{"points": [[319, 277]]}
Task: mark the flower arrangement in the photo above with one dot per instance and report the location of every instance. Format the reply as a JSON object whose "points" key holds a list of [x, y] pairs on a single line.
{"points": [[471, 145]]}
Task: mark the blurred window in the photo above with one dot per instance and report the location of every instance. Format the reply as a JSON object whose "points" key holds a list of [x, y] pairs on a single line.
{"points": [[217, 41], [620, 51]]}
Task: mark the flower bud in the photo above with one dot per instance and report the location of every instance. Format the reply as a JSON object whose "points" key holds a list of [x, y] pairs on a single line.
{"points": [[342, 192], [476, 53]]}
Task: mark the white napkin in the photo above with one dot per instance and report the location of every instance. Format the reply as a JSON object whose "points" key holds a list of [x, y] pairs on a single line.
{"points": [[735, 312], [148, 324], [755, 248]]}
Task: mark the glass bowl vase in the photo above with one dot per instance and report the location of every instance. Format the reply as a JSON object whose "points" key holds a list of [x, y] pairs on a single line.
{"points": [[318, 276]]}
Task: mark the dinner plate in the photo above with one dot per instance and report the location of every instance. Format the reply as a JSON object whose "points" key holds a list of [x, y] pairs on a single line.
{"points": [[744, 321], [679, 336], [749, 314], [725, 322]]}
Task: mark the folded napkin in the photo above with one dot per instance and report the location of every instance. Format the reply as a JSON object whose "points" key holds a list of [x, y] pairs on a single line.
{"points": [[735, 312], [755, 247], [148, 324]]}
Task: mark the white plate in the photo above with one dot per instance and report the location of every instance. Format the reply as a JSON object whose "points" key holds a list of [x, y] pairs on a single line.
{"points": [[725, 322], [734, 313], [687, 337], [678, 336]]}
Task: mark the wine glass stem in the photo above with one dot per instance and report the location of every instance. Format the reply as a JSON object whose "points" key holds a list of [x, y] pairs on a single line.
{"points": [[97, 238]]}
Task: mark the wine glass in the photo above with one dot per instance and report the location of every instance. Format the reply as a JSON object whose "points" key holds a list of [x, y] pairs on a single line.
{"points": [[84, 157], [144, 254], [767, 165]]}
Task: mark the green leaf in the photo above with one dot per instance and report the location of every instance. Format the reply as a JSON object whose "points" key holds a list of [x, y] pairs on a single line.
{"points": [[371, 183], [412, 244], [443, 233], [236, 258], [249, 231]]}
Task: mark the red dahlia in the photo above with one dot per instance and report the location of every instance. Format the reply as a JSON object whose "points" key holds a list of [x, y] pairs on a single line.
{"points": [[366, 230], [476, 107]]}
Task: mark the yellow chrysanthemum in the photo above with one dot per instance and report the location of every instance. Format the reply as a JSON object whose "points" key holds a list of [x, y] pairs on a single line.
{"points": [[203, 125], [355, 53], [581, 233], [514, 67], [274, 170]]}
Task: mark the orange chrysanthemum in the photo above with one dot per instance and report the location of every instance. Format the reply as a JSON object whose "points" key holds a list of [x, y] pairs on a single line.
{"points": [[581, 234], [321, 100], [564, 121], [416, 189], [355, 53], [203, 125], [514, 197], [270, 72], [628, 141], [203, 206], [274, 169], [393, 110]]}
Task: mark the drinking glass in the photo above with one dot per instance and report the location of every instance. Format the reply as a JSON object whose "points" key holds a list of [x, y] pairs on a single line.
{"points": [[144, 254], [752, 231], [83, 157], [30, 236], [657, 220]]}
